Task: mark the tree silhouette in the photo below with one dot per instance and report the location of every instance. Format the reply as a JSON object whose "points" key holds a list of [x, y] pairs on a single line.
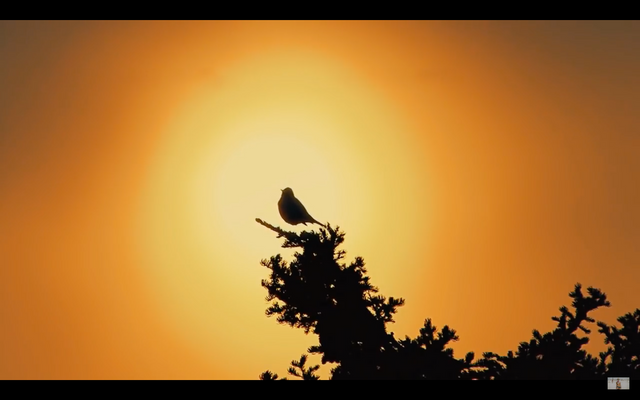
{"points": [[624, 354], [319, 293], [297, 369]]}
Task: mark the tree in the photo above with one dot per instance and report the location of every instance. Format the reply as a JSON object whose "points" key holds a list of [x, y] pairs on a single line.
{"points": [[319, 293], [623, 357]]}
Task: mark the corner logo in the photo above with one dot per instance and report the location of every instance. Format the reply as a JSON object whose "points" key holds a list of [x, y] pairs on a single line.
{"points": [[618, 384]]}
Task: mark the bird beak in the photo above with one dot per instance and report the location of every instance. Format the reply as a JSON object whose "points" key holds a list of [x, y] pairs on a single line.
{"points": [[282, 190]]}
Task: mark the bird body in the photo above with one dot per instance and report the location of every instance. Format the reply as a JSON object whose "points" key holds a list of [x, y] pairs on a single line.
{"points": [[292, 211]]}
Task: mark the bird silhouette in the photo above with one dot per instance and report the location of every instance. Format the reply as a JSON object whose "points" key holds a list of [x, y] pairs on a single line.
{"points": [[292, 210]]}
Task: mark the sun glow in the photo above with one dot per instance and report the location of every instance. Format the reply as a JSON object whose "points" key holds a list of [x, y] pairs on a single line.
{"points": [[288, 121], [472, 165]]}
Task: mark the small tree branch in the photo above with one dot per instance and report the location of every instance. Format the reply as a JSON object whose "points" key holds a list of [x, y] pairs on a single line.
{"points": [[281, 232]]}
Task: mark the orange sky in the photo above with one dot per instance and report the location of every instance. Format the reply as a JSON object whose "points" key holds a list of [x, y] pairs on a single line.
{"points": [[480, 168]]}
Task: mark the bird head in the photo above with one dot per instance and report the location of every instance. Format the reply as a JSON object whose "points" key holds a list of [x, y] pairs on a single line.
{"points": [[287, 192]]}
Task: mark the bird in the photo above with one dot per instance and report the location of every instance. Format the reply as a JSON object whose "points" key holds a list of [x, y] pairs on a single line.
{"points": [[292, 211]]}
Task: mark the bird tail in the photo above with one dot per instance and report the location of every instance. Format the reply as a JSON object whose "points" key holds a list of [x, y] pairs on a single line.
{"points": [[316, 222]]}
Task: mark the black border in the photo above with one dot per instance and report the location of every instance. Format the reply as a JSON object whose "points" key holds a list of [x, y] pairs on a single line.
{"points": [[573, 386], [319, 11]]}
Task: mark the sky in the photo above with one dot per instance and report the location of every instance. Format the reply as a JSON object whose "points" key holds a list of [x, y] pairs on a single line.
{"points": [[480, 168]]}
